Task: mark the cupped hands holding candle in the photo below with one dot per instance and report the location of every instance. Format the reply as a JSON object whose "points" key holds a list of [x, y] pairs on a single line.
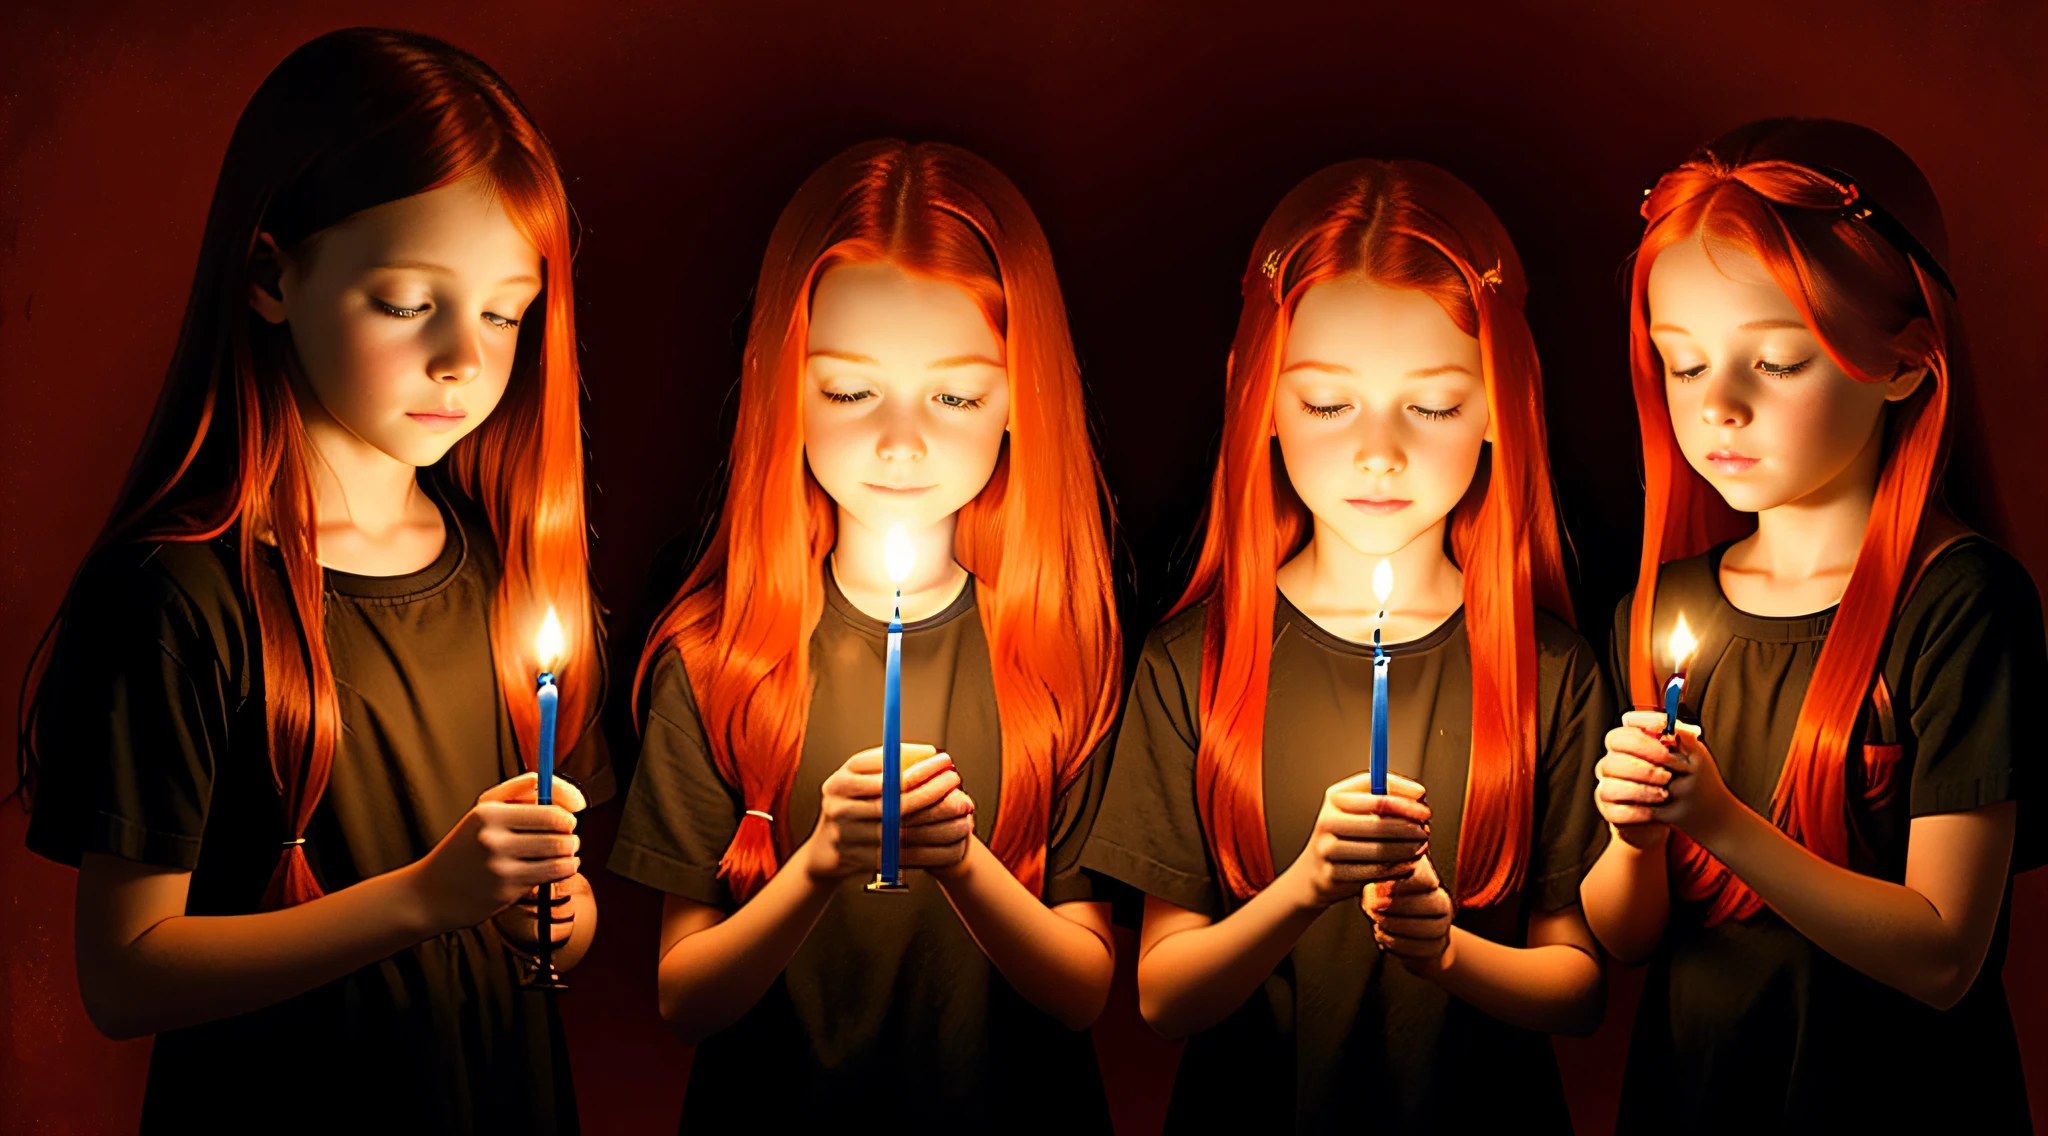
{"points": [[1360, 838], [937, 819], [1643, 779], [1411, 919]]}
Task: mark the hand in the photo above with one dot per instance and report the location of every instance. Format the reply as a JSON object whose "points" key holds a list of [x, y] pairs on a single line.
{"points": [[1642, 782], [848, 838], [520, 923], [500, 850], [1360, 838], [1411, 919]]}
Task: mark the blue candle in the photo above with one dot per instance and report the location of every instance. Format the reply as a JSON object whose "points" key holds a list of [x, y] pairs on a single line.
{"points": [[1682, 644], [548, 646], [1383, 585], [898, 554]]}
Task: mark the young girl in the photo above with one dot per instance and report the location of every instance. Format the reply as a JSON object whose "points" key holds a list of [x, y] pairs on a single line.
{"points": [[908, 368], [1821, 893], [282, 727], [1383, 403]]}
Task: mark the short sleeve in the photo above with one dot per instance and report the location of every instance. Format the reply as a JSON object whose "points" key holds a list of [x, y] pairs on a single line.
{"points": [[680, 814], [1149, 831], [1073, 819], [1970, 647], [135, 715], [1569, 834], [589, 764]]}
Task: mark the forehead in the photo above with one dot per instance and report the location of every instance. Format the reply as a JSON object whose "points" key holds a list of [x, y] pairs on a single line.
{"points": [[1368, 326], [880, 311], [461, 227], [1709, 283]]}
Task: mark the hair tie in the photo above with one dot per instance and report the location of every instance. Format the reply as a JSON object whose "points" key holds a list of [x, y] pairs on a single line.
{"points": [[1491, 277], [764, 816], [294, 843]]}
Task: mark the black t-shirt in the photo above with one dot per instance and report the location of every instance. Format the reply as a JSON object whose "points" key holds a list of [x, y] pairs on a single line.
{"points": [[889, 1007], [1747, 1024], [156, 750], [1338, 1025]]}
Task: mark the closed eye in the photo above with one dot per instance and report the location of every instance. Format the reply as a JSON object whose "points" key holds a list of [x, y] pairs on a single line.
{"points": [[1437, 413], [498, 321], [855, 396], [1782, 370], [959, 402], [1326, 411], [1690, 373], [401, 313]]}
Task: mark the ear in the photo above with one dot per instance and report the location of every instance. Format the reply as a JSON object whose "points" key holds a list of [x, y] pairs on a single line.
{"points": [[266, 279], [1901, 386]]}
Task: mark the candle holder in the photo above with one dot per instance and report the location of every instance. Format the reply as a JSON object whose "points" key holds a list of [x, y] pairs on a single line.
{"points": [[540, 972]]}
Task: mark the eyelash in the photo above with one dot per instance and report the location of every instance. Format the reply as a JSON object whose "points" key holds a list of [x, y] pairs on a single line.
{"points": [[1767, 368], [1430, 413], [957, 403], [502, 323]]}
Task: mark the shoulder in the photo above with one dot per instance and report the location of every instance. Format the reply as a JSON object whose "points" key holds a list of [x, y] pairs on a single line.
{"points": [[198, 583], [1972, 581], [1177, 642], [1559, 644]]}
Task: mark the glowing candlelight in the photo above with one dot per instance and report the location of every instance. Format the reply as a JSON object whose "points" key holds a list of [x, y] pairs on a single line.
{"points": [[547, 648], [1682, 645], [899, 556], [1382, 586]]}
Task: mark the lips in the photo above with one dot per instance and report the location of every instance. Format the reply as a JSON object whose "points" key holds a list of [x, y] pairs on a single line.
{"points": [[899, 490], [1378, 506], [1728, 461], [439, 421]]}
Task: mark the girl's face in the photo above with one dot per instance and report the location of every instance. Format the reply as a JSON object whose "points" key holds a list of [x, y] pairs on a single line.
{"points": [[906, 396], [405, 317], [1380, 411], [1758, 407]]}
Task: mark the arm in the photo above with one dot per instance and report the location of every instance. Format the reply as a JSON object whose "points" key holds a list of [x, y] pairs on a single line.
{"points": [[1627, 896], [1060, 958], [144, 966], [1926, 937], [1194, 972], [1553, 985]]}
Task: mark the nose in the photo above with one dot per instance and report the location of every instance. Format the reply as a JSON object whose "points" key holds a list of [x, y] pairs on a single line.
{"points": [[1723, 403], [900, 439], [459, 357], [1379, 451]]}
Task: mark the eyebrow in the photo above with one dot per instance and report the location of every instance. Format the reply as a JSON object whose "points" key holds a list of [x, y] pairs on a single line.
{"points": [[1340, 369], [425, 266], [871, 361], [1752, 325]]}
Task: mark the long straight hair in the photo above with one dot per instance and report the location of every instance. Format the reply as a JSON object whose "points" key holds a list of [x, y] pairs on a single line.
{"points": [[351, 120], [1797, 195], [1035, 538], [1402, 224]]}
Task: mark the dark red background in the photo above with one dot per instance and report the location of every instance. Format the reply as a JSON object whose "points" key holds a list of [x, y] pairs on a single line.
{"points": [[1151, 140]]}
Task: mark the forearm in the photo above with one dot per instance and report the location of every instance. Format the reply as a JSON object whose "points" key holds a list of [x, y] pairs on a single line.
{"points": [[1554, 988], [1193, 979], [1627, 898], [709, 979], [1888, 931], [1057, 964], [191, 969]]}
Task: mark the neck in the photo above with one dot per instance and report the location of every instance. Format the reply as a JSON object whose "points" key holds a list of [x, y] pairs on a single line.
{"points": [[1802, 553], [1331, 582], [370, 514], [859, 566]]}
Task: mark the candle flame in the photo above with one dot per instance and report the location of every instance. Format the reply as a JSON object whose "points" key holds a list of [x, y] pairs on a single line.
{"points": [[1383, 581], [898, 554], [1682, 644], [547, 643]]}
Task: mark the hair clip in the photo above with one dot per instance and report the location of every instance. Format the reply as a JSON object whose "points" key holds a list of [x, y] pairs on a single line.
{"points": [[1272, 266], [1491, 277]]}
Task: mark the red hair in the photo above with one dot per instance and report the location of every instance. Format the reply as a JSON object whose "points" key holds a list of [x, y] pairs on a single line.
{"points": [[354, 119], [1034, 538], [1777, 191], [1402, 224]]}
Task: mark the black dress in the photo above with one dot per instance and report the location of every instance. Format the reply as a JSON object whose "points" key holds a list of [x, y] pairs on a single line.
{"points": [[1747, 1024], [1341, 1038], [889, 1014], [155, 750]]}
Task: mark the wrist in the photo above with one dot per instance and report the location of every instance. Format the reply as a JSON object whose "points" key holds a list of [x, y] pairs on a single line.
{"points": [[1716, 820], [1298, 892], [957, 872], [1640, 839], [407, 899], [1436, 969]]}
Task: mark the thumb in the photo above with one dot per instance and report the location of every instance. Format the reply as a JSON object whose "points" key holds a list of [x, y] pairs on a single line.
{"points": [[520, 788]]}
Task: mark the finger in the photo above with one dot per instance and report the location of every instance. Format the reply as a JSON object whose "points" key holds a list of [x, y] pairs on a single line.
{"points": [[1617, 792], [934, 835], [1367, 804], [1412, 927], [1425, 878], [1625, 815], [1351, 826], [535, 845], [1369, 872], [517, 789], [868, 760], [957, 804], [1628, 767], [931, 792], [1644, 721], [533, 873], [568, 796], [915, 774], [526, 818], [1635, 743], [1400, 786], [1402, 852]]}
